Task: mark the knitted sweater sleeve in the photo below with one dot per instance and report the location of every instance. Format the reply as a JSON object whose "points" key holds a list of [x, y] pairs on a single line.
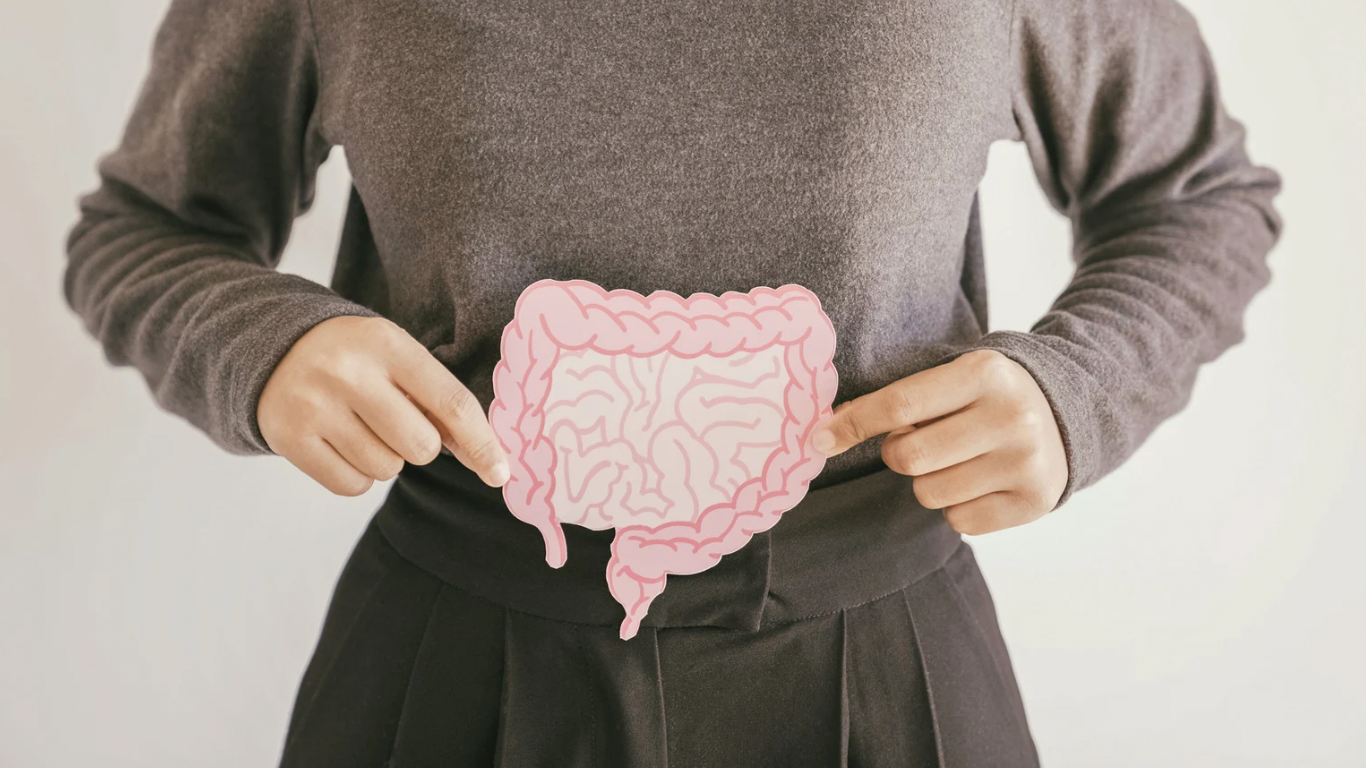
{"points": [[1119, 107], [171, 265]]}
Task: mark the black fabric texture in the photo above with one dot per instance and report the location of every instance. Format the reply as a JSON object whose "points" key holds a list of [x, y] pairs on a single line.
{"points": [[857, 650]]}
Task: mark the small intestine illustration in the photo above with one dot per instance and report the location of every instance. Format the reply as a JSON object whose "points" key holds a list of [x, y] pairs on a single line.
{"points": [[682, 423]]}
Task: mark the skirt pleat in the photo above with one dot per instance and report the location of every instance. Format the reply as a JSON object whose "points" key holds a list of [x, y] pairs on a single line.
{"points": [[352, 694], [769, 698], [411, 671], [890, 709], [451, 713], [975, 704], [576, 695]]}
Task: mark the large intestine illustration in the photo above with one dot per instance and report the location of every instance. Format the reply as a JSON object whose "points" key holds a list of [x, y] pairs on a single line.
{"points": [[683, 424]]}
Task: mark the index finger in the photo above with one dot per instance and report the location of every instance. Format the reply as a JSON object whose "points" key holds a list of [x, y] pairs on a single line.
{"points": [[455, 411], [920, 397]]}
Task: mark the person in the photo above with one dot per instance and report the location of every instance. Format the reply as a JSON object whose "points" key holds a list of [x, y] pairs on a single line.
{"points": [[691, 147]]}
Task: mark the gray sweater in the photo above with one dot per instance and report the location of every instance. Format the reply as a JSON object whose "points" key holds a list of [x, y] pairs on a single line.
{"points": [[686, 145]]}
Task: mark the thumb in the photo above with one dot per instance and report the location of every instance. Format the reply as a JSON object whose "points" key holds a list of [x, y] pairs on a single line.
{"points": [[854, 421], [920, 397]]}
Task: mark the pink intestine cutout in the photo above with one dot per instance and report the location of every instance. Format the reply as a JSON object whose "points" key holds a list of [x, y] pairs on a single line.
{"points": [[578, 317]]}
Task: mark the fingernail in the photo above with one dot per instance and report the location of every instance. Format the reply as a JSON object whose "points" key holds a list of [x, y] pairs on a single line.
{"points": [[823, 440], [499, 474]]}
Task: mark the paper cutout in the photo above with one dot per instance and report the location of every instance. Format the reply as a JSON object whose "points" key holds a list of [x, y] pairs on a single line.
{"points": [[684, 424]]}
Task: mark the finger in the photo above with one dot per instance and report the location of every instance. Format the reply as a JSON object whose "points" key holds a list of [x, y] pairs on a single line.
{"points": [[495, 475], [463, 456], [320, 461], [362, 448], [964, 482], [451, 405], [929, 394], [986, 514], [396, 421], [941, 443], [446, 439]]}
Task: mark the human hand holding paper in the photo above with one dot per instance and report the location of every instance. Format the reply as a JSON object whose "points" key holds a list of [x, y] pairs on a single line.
{"points": [[977, 434], [357, 397]]}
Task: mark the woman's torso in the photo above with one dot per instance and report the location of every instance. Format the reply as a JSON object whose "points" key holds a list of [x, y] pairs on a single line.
{"points": [[669, 146]]}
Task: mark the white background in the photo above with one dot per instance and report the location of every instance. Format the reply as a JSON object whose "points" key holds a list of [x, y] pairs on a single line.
{"points": [[1203, 606]]}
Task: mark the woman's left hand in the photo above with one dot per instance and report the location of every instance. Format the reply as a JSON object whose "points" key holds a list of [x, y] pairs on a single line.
{"points": [[977, 434]]}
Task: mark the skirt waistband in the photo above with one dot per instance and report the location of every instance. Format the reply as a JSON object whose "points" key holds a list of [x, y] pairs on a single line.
{"points": [[843, 545]]}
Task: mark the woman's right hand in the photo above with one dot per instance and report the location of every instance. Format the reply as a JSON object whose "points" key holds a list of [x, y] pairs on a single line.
{"points": [[356, 397]]}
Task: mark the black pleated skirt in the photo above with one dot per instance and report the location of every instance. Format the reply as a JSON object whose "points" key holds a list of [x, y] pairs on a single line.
{"points": [[870, 640]]}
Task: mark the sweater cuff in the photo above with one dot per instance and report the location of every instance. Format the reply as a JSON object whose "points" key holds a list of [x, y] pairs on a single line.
{"points": [[1067, 387], [252, 356]]}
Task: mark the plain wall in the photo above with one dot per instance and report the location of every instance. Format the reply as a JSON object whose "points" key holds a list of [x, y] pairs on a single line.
{"points": [[1202, 606]]}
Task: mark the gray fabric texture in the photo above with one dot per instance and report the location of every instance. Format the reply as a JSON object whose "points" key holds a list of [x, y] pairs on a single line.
{"points": [[684, 146]]}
